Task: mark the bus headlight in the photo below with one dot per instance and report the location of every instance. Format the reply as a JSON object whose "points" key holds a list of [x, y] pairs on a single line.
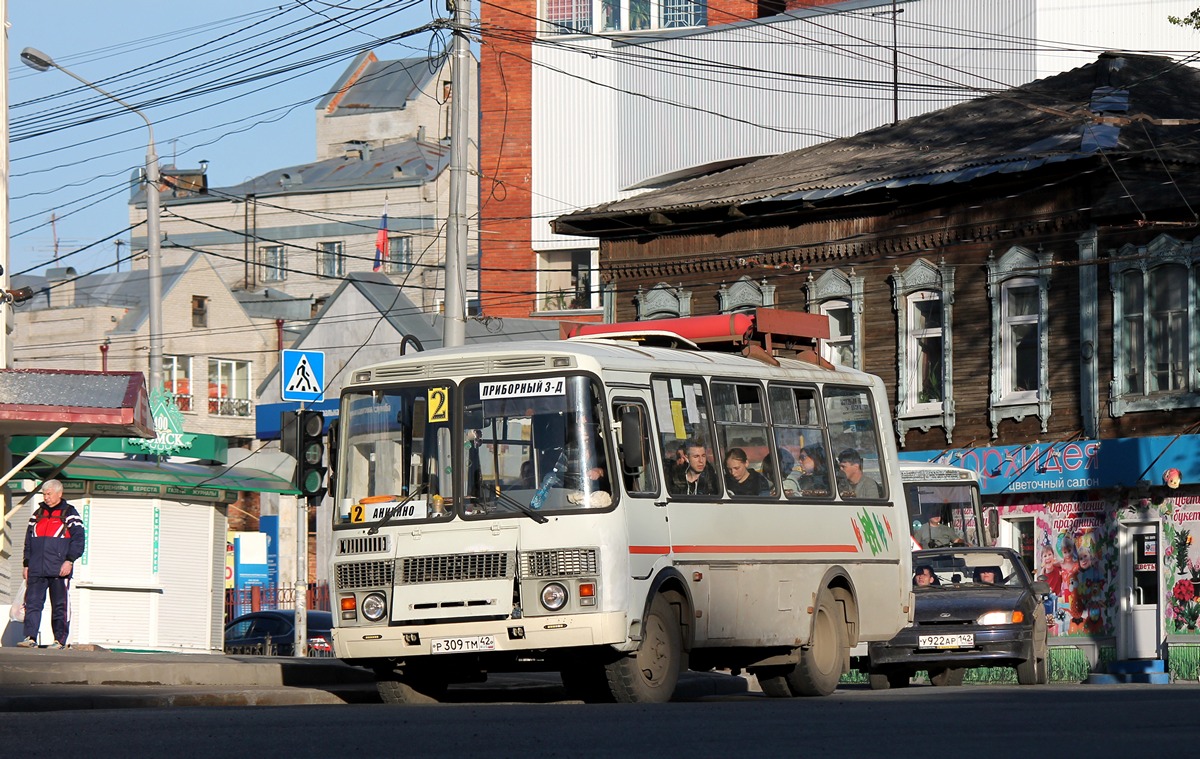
{"points": [[374, 607], [554, 596]]}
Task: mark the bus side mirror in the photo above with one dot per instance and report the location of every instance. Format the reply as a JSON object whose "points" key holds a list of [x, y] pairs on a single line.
{"points": [[331, 447], [633, 433]]}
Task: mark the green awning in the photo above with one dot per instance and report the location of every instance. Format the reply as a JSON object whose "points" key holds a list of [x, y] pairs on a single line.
{"points": [[171, 475]]}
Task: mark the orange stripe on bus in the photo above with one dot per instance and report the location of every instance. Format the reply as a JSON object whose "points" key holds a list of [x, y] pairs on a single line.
{"points": [[744, 549]]}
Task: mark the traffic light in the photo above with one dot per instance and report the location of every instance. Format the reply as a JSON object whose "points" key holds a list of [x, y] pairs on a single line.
{"points": [[300, 437]]}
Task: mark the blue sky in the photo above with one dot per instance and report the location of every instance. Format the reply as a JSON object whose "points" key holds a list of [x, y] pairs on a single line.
{"points": [[231, 82]]}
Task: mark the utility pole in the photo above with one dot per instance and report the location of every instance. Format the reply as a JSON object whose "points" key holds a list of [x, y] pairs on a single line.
{"points": [[454, 320]]}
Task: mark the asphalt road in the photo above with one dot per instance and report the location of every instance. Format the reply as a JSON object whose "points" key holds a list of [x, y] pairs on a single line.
{"points": [[974, 721]]}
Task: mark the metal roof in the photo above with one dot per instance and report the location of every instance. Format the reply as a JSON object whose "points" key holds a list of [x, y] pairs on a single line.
{"points": [[43, 401], [1122, 104], [371, 85]]}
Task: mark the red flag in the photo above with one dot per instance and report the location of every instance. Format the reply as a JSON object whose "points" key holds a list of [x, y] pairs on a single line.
{"points": [[381, 242]]}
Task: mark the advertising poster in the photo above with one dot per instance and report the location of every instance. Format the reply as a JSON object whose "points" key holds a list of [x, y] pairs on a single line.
{"points": [[1075, 551], [1181, 565]]}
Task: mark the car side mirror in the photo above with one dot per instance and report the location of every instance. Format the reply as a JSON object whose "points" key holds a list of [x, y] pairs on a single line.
{"points": [[1040, 588]]}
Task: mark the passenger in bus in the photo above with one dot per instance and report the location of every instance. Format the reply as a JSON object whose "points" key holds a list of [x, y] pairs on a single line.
{"points": [[787, 473], [585, 470], [857, 484], [925, 577], [527, 474], [740, 479], [813, 477], [934, 534], [694, 477]]}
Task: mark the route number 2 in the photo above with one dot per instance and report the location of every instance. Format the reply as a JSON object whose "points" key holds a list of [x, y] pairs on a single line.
{"points": [[439, 406]]}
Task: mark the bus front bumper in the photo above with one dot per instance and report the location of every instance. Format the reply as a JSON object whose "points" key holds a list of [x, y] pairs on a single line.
{"points": [[483, 637]]}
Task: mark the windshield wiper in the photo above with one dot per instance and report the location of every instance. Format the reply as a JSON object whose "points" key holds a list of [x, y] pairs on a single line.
{"points": [[508, 500], [393, 511]]}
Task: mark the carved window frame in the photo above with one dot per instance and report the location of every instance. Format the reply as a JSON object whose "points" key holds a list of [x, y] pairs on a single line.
{"points": [[663, 301], [745, 294], [1139, 263], [1018, 267], [834, 287], [918, 281]]}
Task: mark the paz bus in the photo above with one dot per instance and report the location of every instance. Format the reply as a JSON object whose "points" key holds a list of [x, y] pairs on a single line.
{"points": [[618, 506], [949, 493]]}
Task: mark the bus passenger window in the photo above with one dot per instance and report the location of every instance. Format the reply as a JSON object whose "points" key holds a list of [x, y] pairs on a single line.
{"points": [[800, 435], [853, 427], [681, 410]]}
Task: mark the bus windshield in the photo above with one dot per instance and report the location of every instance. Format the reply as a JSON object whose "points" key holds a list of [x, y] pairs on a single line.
{"points": [[536, 442], [943, 513], [396, 455]]}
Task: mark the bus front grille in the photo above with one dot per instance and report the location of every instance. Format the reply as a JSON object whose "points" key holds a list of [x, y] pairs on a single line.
{"points": [[364, 574], [566, 562], [455, 567], [368, 544]]}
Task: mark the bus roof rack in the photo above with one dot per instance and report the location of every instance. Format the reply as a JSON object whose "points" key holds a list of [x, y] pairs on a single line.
{"points": [[759, 333]]}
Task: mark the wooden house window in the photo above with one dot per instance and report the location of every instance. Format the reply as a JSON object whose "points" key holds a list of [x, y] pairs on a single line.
{"points": [[1156, 351], [923, 294], [1019, 287], [840, 297], [663, 302], [745, 295]]}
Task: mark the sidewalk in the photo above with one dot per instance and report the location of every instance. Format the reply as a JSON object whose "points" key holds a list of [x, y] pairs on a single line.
{"points": [[77, 678]]}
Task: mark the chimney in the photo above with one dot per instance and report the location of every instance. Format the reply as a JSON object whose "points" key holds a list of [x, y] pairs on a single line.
{"points": [[61, 284]]}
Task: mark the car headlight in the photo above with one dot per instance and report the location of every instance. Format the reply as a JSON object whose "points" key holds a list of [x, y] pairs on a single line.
{"points": [[1001, 618], [374, 607], [554, 596]]}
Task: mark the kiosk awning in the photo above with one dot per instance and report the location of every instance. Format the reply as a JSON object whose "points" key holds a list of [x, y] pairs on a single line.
{"points": [[170, 475]]}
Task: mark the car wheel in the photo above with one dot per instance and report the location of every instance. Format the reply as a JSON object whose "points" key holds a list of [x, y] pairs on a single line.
{"points": [[888, 679], [1033, 670], [947, 676]]}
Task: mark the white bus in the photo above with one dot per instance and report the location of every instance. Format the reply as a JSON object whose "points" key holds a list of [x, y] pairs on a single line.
{"points": [[562, 506], [946, 493]]}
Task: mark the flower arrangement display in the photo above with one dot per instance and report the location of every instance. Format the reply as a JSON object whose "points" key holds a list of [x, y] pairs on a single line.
{"points": [[1184, 603]]}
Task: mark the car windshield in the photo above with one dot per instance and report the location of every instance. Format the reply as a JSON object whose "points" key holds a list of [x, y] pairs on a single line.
{"points": [[973, 568]]}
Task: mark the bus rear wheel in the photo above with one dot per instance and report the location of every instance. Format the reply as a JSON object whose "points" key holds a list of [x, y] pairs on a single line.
{"points": [[821, 664], [650, 674]]}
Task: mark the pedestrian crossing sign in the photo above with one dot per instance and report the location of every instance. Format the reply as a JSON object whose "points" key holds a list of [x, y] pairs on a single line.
{"points": [[302, 375]]}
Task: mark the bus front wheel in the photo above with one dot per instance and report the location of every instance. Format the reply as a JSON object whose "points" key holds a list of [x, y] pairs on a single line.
{"points": [[650, 674]]}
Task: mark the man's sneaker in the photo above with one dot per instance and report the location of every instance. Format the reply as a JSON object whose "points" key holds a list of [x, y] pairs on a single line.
{"points": [[55, 646], [28, 643]]}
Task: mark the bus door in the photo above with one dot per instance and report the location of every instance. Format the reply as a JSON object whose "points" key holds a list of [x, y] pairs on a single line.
{"points": [[645, 508]]}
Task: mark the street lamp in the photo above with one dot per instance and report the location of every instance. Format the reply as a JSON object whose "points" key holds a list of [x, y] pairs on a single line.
{"points": [[39, 61]]}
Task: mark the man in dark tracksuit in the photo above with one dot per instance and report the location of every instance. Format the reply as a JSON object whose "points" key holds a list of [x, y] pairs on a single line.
{"points": [[54, 541]]}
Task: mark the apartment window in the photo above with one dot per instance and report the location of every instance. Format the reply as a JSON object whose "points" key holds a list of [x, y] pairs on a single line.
{"points": [[564, 16], [566, 278], [587, 16], [663, 302], [924, 389], [745, 294], [1018, 285], [199, 311], [229, 385], [399, 255], [1156, 352], [274, 263], [839, 296], [177, 377], [331, 259]]}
